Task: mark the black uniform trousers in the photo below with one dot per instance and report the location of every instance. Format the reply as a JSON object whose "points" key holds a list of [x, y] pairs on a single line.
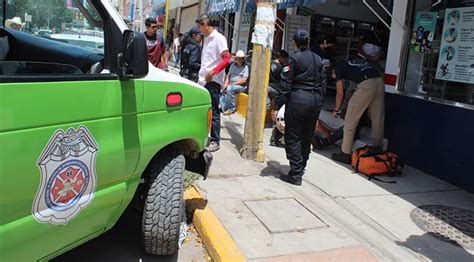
{"points": [[301, 113]]}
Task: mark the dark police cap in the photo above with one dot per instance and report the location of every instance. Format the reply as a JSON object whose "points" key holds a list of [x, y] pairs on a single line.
{"points": [[195, 31], [301, 35]]}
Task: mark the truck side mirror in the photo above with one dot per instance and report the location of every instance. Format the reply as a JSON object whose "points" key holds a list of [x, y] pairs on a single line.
{"points": [[133, 60]]}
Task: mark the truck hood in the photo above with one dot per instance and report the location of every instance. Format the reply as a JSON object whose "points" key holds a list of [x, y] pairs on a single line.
{"points": [[155, 74]]}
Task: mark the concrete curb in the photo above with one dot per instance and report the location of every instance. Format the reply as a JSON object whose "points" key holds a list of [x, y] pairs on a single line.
{"points": [[218, 242]]}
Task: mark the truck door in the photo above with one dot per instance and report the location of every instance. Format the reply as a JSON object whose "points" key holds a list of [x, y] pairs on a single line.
{"points": [[69, 140]]}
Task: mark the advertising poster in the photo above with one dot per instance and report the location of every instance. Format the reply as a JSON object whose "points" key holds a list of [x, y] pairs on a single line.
{"points": [[456, 56], [423, 32]]}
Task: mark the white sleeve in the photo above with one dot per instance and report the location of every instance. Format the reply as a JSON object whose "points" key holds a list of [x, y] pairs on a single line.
{"points": [[222, 44]]}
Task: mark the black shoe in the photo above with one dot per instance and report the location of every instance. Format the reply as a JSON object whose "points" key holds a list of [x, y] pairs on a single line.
{"points": [[342, 157], [289, 179]]}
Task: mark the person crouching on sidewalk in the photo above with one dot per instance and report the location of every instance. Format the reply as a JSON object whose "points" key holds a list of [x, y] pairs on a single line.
{"points": [[369, 94], [235, 83]]}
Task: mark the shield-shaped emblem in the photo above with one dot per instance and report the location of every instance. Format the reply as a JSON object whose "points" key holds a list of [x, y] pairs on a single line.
{"points": [[68, 176]]}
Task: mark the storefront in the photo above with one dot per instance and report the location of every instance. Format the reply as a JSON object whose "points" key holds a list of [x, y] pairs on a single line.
{"points": [[227, 14], [430, 116], [429, 75]]}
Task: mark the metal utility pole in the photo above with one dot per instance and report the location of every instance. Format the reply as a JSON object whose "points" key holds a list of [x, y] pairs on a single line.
{"points": [[258, 87]]}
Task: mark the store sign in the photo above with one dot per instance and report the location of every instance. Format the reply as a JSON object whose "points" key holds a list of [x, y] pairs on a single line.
{"points": [[423, 32], [282, 4], [244, 32], [220, 7], [456, 55]]}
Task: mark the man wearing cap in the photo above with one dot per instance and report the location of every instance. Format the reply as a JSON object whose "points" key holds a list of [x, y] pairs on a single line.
{"points": [[154, 43], [301, 94], [215, 58], [191, 55], [234, 83], [369, 94]]}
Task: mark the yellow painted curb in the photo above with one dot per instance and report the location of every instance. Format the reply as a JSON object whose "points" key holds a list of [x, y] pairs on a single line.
{"points": [[218, 242], [241, 101]]}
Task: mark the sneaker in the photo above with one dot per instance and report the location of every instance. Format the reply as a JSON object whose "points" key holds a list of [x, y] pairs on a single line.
{"points": [[291, 180], [342, 157], [213, 146]]}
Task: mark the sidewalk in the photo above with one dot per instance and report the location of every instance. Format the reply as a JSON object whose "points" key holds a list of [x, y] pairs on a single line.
{"points": [[336, 215]]}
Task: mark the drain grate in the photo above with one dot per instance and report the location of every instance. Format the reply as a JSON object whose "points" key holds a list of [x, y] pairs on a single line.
{"points": [[448, 223]]}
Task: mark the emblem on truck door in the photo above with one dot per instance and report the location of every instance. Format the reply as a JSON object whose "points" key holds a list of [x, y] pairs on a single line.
{"points": [[68, 177]]}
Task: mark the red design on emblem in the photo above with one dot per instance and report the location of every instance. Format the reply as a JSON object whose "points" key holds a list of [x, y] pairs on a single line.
{"points": [[67, 185]]}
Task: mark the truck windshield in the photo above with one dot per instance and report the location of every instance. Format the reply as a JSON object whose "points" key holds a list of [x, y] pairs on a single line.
{"points": [[74, 22]]}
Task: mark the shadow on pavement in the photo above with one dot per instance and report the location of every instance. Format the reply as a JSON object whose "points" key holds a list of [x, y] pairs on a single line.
{"points": [[121, 243], [236, 138], [419, 245], [274, 169], [194, 204]]}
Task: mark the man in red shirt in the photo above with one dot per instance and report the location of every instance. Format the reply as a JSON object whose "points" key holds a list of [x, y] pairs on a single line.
{"points": [[155, 43]]}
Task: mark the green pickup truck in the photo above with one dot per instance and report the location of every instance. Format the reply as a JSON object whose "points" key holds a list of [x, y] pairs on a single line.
{"points": [[85, 132]]}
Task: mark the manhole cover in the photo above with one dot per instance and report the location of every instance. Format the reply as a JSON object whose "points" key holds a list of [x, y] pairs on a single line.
{"points": [[448, 223]]}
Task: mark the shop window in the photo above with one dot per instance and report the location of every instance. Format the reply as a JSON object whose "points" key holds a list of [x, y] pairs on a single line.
{"points": [[440, 61]]}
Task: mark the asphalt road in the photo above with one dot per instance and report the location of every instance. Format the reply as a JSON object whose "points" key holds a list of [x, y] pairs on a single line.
{"points": [[123, 243]]}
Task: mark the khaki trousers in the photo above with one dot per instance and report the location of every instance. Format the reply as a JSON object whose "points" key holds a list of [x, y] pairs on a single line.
{"points": [[369, 94]]}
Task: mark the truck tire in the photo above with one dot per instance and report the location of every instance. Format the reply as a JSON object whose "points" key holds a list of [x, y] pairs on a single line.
{"points": [[162, 213]]}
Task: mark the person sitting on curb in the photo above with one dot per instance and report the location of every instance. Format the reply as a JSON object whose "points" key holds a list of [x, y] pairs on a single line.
{"points": [[235, 83]]}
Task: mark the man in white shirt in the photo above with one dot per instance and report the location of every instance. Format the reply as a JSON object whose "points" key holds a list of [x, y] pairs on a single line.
{"points": [[215, 58]]}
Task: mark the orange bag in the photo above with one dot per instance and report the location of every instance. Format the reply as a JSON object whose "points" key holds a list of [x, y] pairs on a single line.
{"points": [[376, 163]]}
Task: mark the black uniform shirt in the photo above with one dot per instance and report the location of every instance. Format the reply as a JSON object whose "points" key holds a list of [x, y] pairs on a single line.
{"points": [[275, 75], [302, 71], [356, 70], [191, 56]]}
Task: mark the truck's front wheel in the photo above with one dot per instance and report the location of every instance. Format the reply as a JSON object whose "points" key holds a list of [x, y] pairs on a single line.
{"points": [[162, 211]]}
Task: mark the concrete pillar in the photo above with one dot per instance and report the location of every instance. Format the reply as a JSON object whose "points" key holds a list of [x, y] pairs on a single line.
{"points": [[396, 45]]}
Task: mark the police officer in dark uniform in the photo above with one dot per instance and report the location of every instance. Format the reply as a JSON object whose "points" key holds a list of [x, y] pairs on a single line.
{"points": [[301, 95], [191, 55]]}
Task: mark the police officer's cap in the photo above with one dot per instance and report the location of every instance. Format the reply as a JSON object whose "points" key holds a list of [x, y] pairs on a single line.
{"points": [[195, 31], [301, 37]]}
